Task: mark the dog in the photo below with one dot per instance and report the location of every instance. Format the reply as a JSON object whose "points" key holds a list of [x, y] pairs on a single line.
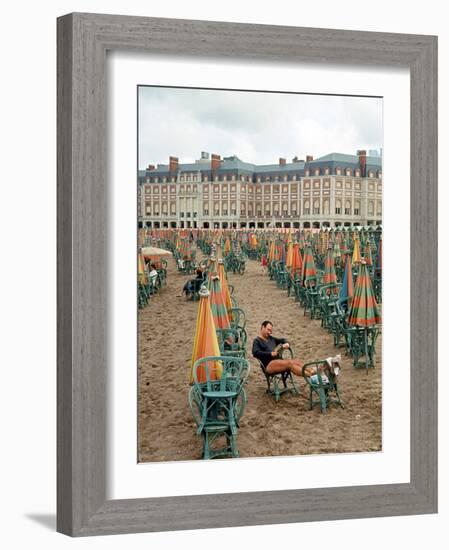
{"points": [[328, 370]]}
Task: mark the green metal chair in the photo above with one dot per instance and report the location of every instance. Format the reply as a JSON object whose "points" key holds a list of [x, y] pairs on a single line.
{"points": [[281, 382], [217, 401], [232, 341], [323, 388]]}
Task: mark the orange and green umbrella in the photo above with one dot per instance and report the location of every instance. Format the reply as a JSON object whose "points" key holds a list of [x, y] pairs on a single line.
{"points": [[205, 343], [271, 252], [364, 310], [308, 266], [289, 257], [367, 253], [329, 276], [218, 305], [347, 287], [227, 246], [296, 267], [225, 288]]}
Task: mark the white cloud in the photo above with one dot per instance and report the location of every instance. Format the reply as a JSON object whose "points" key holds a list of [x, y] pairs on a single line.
{"points": [[258, 127]]}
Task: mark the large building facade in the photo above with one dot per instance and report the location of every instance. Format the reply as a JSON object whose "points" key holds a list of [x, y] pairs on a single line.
{"points": [[330, 191]]}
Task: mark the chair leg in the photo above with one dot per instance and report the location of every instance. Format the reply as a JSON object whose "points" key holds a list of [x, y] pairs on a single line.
{"points": [[323, 400]]}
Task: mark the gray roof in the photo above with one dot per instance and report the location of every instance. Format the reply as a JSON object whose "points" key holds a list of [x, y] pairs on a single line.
{"points": [[233, 163]]}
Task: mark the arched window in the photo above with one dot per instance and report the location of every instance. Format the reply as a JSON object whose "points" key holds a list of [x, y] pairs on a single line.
{"points": [[307, 207], [347, 208], [326, 206], [316, 206], [357, 208], [338, 206], [371, 208]]}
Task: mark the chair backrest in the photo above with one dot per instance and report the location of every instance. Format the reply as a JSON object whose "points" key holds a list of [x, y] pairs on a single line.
{"points": [[220, 373]]}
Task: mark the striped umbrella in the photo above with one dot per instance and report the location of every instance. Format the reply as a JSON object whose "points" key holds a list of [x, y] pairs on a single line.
{"points": [[379, 257], [225, 288], [364, 310], [367, 253], [218, 305], [227, 246], [271, 252], [205, 343], [296, 267], [329, 276], [308, 266], [289, 258], [356, 257], [347, 287]]}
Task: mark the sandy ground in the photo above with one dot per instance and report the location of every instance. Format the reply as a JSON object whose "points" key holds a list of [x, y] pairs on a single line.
{"points": [[166, 426]]}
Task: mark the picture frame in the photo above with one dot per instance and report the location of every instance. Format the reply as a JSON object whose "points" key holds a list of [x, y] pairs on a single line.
{"points": [[83, 41]]}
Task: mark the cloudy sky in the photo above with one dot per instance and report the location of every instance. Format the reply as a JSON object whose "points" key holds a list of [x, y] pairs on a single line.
{"points": [[258, 127]]}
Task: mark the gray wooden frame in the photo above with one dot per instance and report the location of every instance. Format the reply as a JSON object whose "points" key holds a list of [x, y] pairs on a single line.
{"points": [[83, 40]]}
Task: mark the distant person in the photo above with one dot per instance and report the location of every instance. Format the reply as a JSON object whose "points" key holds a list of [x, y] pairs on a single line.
{"points": [[153, 275], [266, 348], [263, 263], [193, 285]]}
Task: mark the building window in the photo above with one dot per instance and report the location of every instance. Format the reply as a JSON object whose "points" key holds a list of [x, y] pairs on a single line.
{"points": [[338, 210], [356, 211], [306, 211]]}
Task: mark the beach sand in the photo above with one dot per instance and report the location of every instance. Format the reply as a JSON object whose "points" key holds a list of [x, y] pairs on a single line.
{"points": [[166, 427]]}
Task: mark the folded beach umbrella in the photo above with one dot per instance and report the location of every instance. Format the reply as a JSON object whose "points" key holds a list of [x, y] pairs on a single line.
{"points": [[289, 257], [272, 251], [347, 287], [296, 267], [308, 266], [364, 310], [225, 288], [356, 257], [379, 257], [329, 276], [218, 305], [367, 253], [205, 343], [141, 269], [227, 246]]}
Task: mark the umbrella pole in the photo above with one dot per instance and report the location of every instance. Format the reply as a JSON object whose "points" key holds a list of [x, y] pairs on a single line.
{"points": [[365, 337]]}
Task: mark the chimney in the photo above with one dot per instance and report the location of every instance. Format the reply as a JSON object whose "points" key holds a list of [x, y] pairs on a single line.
{"points": [[173, 164], [150, 167], [282, 162], [362, 162], [215, 162], [309, 158]]}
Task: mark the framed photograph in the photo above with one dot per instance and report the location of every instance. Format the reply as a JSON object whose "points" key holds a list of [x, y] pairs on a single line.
{"points": [[122, 77]]}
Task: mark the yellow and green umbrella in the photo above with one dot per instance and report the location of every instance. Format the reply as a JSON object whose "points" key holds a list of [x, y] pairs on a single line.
{"points": [[218, 305], [205, 343], [356, 257]]}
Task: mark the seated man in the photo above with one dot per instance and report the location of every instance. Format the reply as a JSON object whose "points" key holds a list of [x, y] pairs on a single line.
{"points": [[193, 285], [266, 348]]}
